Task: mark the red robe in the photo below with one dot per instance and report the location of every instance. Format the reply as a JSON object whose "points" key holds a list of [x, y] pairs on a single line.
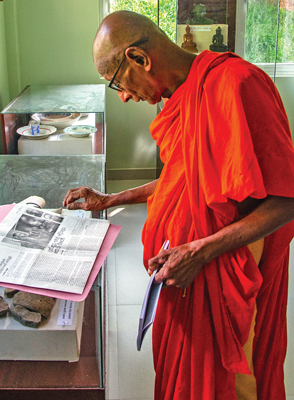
{"points": [[223, 136]]}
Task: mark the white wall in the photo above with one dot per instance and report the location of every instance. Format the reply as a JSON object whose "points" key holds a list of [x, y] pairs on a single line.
{"points": [[4, 89], [129, 142]]}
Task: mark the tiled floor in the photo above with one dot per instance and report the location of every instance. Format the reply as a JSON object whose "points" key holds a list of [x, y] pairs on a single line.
{"points": [[130, 374]]}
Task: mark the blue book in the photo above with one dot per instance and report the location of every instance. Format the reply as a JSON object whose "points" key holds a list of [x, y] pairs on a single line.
{"points": [[149, 306]]}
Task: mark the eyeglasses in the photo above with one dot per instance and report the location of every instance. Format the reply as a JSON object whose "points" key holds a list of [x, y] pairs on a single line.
{"points": [[116, 86]]}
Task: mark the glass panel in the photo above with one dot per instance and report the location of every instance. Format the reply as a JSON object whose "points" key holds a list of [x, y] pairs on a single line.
{"points": [[261, 31], [49, 177], [265, 19], [285, 52], [162, 12], [167, 17], [61, 98]]}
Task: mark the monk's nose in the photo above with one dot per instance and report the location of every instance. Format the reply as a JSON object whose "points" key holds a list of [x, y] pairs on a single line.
{"points": [[124, 96]]}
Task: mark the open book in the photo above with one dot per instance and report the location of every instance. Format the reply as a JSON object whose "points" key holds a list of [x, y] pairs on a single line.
{"points": [[51, 254], [149, 306]]}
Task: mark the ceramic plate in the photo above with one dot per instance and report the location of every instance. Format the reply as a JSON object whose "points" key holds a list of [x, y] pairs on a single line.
{"points": [[80, 131], [45, 131]]}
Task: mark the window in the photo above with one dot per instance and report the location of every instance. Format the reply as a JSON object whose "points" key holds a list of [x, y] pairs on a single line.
{"points": [[269, 31], [265, 35]]}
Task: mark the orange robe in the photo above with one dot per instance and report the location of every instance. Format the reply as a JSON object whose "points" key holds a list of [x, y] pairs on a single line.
{"points": [[223, 136]]}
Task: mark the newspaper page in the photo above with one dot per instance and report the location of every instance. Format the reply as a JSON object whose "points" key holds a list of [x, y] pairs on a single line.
{"points": [[46, 250]]}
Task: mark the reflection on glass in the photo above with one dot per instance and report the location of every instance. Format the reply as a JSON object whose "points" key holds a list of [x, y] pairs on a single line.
{"points": [[205, 11], [49, 177], [59, 98]]}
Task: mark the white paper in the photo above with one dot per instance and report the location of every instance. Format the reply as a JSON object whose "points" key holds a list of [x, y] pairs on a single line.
{"points": [[66, 313], [45, 250]]}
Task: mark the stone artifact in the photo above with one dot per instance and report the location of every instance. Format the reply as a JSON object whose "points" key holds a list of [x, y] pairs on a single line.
{"points": [[35, 302], [26, 317], [10, 292], [218, 42], [4, 307], [198, 18], [189, 44]]}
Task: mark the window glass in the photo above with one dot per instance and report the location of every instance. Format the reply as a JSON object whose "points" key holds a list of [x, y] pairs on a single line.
{"points": [[162, 12], [270, 22]]}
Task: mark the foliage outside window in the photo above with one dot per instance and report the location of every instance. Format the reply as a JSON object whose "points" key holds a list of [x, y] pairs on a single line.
{"points": [[167, 12], [261, 31]]}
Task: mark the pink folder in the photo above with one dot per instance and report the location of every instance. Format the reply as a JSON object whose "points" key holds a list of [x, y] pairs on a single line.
{"points": [[108, 241]]}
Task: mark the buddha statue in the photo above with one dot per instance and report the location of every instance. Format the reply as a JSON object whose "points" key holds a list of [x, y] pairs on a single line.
{"points": [[218, 42], [189, 44]]}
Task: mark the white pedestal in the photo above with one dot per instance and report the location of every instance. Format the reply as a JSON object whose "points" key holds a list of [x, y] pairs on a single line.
{"points": [[48, 342], [56, 144]]}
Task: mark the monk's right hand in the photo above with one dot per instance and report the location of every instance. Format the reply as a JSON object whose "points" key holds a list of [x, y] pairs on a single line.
{"points": [[93, 200]]}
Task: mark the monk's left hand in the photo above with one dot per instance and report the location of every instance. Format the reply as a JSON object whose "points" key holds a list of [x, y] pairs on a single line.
{"points": [[178, 266]]}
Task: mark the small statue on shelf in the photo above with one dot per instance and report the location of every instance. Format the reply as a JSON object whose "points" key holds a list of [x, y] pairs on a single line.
{"points": [[218, 42], [189, 44]]}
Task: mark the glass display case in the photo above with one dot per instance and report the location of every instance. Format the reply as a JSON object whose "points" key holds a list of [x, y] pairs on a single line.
{"points": [[60, 106], [50, 177], [48, 168]]}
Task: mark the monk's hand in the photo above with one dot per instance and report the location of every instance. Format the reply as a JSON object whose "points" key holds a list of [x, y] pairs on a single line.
{"points": [[178, 266], [93, 200]]}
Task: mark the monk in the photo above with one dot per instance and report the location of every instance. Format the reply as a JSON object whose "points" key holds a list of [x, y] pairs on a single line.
{"points": [[225, 201]]}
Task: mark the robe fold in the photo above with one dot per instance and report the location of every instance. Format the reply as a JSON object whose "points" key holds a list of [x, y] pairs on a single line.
{"points": [[223, 136]]}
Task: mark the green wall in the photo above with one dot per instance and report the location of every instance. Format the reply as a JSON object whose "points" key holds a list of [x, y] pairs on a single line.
{"points": [[4, 89], [50, 42]]}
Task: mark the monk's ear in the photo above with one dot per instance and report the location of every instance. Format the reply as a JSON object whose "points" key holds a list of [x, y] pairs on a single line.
{"points": [[139, 56]]}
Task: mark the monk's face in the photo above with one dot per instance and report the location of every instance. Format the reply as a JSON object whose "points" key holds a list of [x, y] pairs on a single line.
{"points": [[134, 83], [140, 89]]}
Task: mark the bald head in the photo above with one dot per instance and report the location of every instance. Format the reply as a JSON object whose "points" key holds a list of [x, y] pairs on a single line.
{"points": [[153, 69], [116, 32]]}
